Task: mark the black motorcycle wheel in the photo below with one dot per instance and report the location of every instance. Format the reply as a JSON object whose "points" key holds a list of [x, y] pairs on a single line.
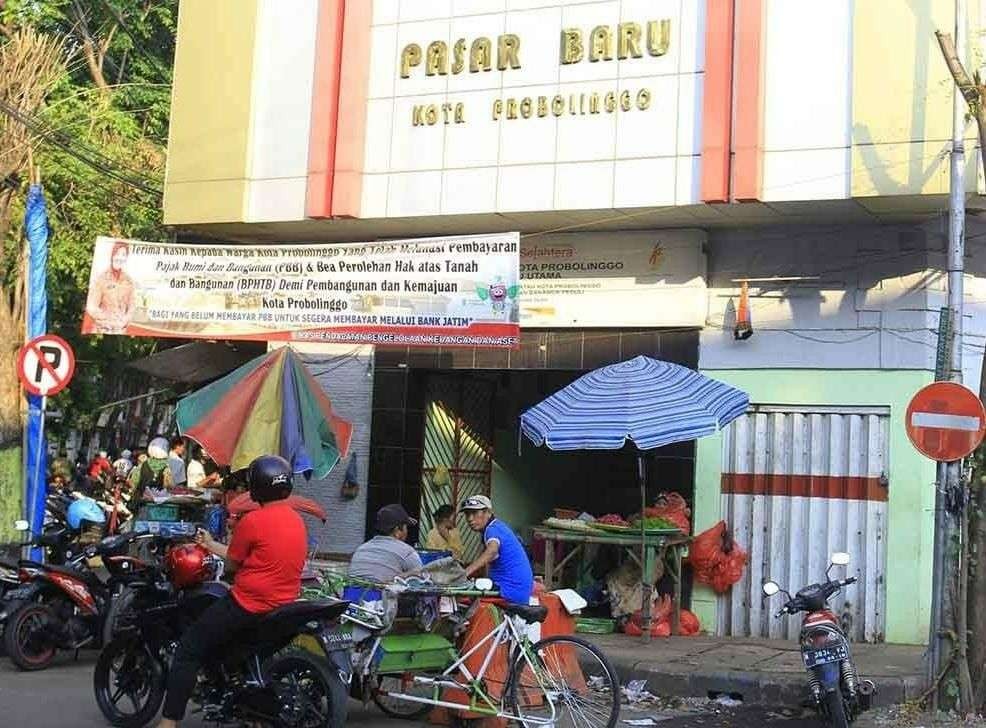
{"points": [[835, 708], [313, 695], [121, 604], [27, 636], [129, 684]]}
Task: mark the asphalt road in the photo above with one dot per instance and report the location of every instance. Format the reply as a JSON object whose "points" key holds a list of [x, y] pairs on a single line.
{"points": [[61, 697]]}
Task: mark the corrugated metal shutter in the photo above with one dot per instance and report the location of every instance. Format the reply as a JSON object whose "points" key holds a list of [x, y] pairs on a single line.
{"points": [[799, 484]]}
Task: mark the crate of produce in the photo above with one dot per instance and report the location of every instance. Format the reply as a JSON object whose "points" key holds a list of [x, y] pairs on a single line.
{"points": [[593, 625], [162, 512]]}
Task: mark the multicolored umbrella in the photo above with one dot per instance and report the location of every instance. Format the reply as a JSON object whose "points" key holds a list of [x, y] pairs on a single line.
{"points": [[269, 406]]}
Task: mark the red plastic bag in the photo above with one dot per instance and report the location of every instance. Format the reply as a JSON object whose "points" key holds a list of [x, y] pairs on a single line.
{"points": [[657, 629], [716, 559], [672, 508], [689, 624]]}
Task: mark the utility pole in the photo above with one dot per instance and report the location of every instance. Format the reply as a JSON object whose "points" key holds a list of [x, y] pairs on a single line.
{"points": [[949, 619]]}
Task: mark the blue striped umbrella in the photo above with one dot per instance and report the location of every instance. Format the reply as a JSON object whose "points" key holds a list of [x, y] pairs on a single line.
{"points": [[649, 402]]}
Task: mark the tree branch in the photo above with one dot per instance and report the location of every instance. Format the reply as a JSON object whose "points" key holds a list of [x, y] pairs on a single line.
{"points": [[962, 79]]}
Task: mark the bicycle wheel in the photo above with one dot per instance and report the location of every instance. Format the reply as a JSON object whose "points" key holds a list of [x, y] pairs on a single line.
{"points": [[564, 682]]}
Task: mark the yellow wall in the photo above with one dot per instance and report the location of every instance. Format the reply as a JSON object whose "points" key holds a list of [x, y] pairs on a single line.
{"points": [[902, 97], [208, 145]]}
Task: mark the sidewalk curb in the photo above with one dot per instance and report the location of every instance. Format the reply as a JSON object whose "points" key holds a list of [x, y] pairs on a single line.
{"points": [[765, 688]]}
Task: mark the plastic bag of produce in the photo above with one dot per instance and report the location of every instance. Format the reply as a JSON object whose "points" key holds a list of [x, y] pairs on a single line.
{"points": [[672, 508], [716, 559]]}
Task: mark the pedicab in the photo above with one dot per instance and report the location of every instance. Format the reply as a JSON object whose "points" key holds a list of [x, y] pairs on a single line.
{"points": [[402, 639]]}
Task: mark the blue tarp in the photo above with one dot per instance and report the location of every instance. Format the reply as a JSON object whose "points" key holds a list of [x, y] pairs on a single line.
{"points": [[36, 482]]}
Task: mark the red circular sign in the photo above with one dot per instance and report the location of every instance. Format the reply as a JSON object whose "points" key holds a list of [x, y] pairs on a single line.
{"points": [[45, 365], [946, 421]]}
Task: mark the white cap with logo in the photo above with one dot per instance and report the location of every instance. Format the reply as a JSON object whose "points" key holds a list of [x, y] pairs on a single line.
{"points": [[477, 503]]}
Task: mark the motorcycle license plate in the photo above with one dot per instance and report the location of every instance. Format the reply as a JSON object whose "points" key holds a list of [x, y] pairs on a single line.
{"points": [[338, 640], [814, 658]]}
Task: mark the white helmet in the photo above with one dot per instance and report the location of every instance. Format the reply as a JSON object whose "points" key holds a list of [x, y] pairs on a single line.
{"points": [[158, 449]]}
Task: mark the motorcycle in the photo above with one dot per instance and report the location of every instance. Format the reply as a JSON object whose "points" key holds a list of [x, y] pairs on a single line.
{"points": [[835, 689], [256, 679], [66, 607]]}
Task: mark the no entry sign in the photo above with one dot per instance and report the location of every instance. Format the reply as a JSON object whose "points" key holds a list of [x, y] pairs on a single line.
{"points": [[946, 421], [45, 365]]}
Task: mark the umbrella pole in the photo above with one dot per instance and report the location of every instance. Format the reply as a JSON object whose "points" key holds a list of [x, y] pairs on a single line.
{"points": [[645, 567]]}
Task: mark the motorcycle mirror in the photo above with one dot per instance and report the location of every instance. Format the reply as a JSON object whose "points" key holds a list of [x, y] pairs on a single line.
{"points": [[21, 525], [770, 588], [840, 558], [484, 584]]}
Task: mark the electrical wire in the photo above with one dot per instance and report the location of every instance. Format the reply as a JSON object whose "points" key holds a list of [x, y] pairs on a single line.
{"points": [[95, 164], [42, 128]]}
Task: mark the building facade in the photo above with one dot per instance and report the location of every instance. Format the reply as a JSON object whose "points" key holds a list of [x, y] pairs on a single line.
{"points": [[654, 155]]}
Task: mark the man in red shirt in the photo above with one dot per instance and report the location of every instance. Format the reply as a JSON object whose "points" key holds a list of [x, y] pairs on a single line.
{"points": [[267, 555]]}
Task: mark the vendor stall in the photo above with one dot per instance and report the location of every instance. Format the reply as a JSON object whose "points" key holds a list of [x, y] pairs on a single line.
{"points": [[645, 403], [666, 547]]}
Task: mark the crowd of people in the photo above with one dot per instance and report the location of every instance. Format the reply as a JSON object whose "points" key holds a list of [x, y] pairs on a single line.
{"points": [[162, 466]]}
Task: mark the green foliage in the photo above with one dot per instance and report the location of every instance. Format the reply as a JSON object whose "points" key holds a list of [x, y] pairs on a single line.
{"points": [[10, 492], [121, 122]]}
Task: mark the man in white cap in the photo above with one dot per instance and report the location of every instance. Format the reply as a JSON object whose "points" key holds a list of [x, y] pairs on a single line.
{"points": [[123, 464], [510, 569]]}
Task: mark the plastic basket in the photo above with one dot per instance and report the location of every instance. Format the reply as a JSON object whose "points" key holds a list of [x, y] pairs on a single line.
{"points": [[592, 625]]}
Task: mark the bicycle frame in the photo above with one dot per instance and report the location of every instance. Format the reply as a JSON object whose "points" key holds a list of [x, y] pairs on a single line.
{"points": [[507, 632]]}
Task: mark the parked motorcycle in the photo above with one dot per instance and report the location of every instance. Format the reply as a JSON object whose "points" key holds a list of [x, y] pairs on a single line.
{"points": [[255, 679], [66, 607], [833, 682]]}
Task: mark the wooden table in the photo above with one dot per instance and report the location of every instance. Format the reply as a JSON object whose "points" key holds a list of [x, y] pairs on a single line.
{"points": [[666, 545]]}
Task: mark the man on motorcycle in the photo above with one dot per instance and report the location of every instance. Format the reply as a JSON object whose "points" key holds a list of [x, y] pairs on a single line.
{"points": [[267, 554]]}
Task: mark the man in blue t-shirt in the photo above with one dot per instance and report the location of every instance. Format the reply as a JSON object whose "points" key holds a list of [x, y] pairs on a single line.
{"points": [[503, 552]]}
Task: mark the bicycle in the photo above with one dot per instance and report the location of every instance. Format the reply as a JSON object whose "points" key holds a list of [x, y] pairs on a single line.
{"points": [[556, 681]]}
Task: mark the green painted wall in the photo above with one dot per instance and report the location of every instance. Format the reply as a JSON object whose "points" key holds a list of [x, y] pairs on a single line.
{"points": [[522, 494], [910, 527]]}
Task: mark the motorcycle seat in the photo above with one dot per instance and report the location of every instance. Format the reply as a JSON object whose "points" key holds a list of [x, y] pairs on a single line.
{"points": [[305, 610], [528, 613]]}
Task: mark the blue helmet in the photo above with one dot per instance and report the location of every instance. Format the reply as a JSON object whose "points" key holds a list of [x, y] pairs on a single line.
{"points": [[84, 509]]}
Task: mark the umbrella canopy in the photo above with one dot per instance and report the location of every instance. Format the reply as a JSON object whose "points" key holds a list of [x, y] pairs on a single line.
{"points": [[243, 503], [269, 406], [649, 402]]}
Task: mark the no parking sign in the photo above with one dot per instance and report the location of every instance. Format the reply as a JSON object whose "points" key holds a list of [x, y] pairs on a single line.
{"points": [[45, 365]]}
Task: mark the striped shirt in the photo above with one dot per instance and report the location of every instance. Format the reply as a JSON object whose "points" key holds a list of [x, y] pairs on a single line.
{"points": [[382, 558]]}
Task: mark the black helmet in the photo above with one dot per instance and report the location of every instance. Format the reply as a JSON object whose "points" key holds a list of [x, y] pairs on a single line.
{"points": [[269, 478]]}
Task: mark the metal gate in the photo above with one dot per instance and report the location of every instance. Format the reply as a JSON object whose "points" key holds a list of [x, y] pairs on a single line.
{"points": [[458, 448], [797, 485]]}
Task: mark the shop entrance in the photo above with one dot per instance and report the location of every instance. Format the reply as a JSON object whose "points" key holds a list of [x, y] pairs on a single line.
{"points": [[457, 454], [446, 425]]}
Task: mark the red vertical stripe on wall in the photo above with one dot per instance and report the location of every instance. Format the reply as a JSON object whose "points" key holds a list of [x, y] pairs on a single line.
{"points": [[354, 90], [717, 100], [325, 107], [748, 125]]}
